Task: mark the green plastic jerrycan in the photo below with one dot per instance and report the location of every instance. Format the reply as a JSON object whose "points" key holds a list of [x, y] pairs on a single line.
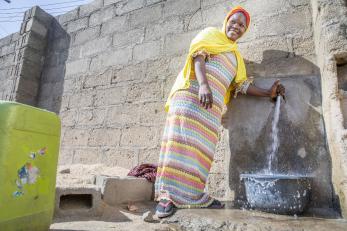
{"points": [[29, 147]]}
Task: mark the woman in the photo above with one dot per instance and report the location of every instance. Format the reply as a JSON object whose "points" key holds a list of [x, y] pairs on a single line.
{"points": [[214, 68]]}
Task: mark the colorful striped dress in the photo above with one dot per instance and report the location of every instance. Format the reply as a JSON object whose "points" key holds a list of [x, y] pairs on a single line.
{"points": [[190, 137]]}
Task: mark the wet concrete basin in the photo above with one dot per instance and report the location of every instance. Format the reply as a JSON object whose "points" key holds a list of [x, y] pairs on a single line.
{"points": [[280, 194]]}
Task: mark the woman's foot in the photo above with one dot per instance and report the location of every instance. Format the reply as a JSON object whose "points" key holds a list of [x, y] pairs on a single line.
{"points": [[216, 204], [164, 208]]}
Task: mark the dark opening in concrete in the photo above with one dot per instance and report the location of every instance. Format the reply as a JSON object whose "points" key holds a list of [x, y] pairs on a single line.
{"points": [[342, 86], [76, 201]]}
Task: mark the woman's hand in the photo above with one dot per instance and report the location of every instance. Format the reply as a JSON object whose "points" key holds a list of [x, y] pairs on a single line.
{"points": [[277, 89], [205, 96]]}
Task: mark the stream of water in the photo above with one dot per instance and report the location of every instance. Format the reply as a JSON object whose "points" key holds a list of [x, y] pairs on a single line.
{"points": [[274, 136]]}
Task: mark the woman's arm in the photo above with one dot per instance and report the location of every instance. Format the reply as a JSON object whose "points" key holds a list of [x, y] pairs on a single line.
{"points": [[205, 93], [256, 91], [272, 92]]}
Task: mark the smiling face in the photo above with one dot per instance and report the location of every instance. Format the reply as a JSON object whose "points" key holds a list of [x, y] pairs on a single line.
{"points": [[236, 26]]}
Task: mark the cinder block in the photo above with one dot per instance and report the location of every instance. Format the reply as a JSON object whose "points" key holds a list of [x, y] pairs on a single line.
{"points": [[129, 6], [69, 16], [37, 27], [135, 36], [91, 7], [139, 137], [175, 7], [147, 15], [41, 15], [179, 43], [114, 58], [110, 2], [96, 46], [78, 66], [101, 16], [5, 41], [77, 25], [118, 190], [86, 35], [116, 24], [78, 201], [147, 51]]}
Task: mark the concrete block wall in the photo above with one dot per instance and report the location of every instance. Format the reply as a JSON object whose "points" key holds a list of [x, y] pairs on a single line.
{"points": [[7, 60], [23, 56], [121, 58]]}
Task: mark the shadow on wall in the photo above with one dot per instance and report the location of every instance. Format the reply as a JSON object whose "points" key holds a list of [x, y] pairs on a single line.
{"points": [[52, 78], [302, 150]]}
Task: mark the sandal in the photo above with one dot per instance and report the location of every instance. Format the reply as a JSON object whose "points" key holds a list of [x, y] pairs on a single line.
{"points": [[164, 208], [216, 204]]}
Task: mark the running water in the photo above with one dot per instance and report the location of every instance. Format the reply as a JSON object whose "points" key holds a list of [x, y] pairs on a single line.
{"points": [[274, 135]]}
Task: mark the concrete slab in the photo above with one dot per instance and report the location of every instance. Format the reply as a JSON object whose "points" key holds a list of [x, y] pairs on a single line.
{"points": [[119, 218], [118, 190]]}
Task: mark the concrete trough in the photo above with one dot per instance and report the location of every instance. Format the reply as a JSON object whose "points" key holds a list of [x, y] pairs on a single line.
{"points": [[78, 201]]}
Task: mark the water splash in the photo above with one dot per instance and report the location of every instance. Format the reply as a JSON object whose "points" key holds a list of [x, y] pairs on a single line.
{"points": [[274, 136]]}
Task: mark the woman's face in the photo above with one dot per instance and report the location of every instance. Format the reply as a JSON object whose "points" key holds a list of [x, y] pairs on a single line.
{"points": [[236, 26]]}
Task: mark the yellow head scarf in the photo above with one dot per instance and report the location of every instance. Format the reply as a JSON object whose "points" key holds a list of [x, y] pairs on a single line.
{"points": [[212, 41]]}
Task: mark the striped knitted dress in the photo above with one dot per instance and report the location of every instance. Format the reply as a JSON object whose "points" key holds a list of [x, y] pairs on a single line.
{"points": [[190, 137]]}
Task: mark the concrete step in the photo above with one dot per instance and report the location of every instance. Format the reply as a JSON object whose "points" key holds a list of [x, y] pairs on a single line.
{"points": [[86, 190]]}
